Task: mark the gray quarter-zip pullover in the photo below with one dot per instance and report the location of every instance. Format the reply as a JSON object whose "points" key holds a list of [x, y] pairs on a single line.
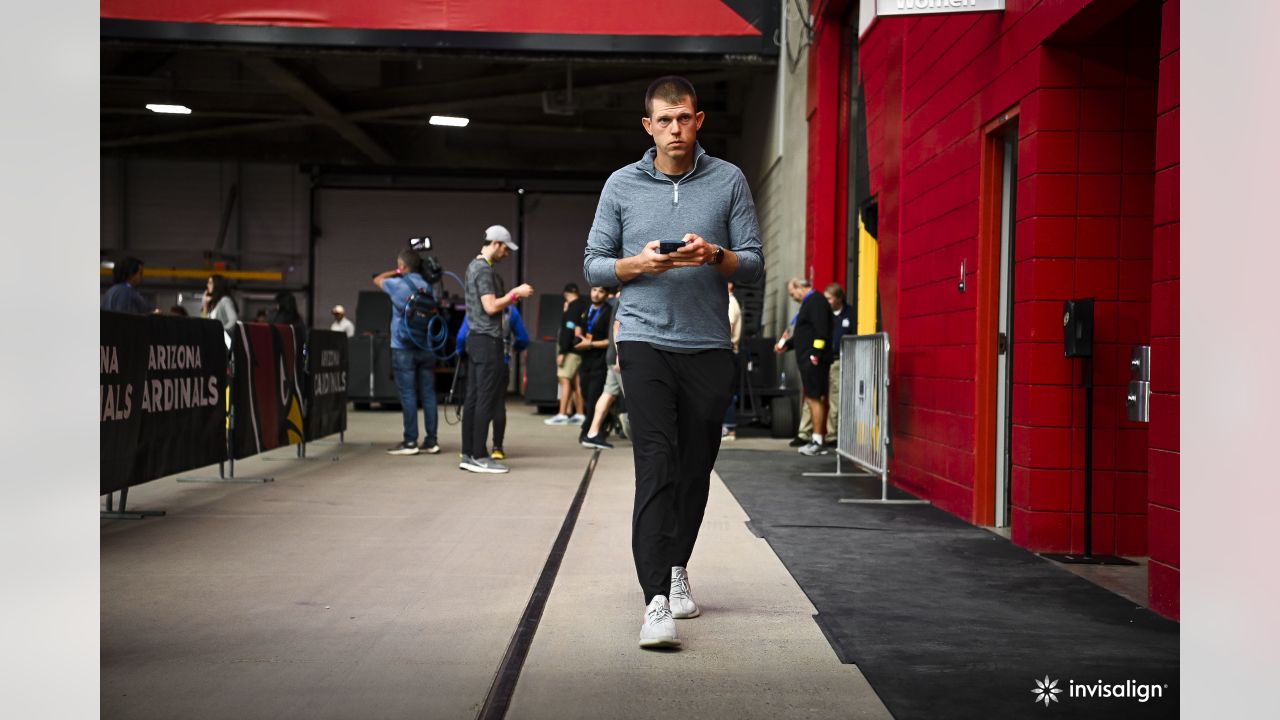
{"points": [[684, 308]]}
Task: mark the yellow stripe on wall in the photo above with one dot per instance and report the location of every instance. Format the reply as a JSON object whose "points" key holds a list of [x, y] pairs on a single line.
{"points": [[868, 269]]}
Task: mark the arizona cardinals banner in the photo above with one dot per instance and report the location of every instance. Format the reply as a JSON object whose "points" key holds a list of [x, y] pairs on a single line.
{"points": [[326, 410], [267, 390], [161, 384]]}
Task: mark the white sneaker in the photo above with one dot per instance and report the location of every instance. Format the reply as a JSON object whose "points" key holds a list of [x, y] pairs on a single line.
{"points": [[557, 419], [577, 419], [659, 628], [682, 605], [813, 448]]}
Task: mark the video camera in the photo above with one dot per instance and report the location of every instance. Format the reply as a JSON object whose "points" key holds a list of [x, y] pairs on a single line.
{"points": [[432, 270]]}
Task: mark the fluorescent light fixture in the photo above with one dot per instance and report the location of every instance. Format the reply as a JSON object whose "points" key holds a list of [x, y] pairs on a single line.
{"points": [[171, 109], [108, 264], [449, 121]]}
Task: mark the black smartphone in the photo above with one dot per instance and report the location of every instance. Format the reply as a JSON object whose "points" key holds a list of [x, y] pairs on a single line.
{"points": [[669, 246]]}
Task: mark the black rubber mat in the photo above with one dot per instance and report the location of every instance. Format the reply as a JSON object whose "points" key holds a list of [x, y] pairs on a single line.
{"points": [[947, 620]]}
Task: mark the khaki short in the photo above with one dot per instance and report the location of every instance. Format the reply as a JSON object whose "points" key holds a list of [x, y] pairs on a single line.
{"points": [[613, 382], [567, 371]]}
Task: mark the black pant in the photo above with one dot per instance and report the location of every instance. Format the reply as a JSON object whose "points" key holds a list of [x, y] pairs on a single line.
{"points": [[500, 408], [484, 387], [593, 373], [676, 402]]}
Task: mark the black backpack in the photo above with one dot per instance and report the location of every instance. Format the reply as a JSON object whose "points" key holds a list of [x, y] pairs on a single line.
{"points": [[420, 310]]}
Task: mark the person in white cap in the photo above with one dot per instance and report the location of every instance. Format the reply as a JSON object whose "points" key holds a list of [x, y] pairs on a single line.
{"points": [[341, 323], [485, 303]]}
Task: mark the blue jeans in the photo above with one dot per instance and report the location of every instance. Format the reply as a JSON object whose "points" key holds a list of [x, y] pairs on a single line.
{"points": [[416, 379]]}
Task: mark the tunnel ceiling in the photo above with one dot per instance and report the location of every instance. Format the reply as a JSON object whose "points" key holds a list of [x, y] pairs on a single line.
{"points": [[541, 113]]}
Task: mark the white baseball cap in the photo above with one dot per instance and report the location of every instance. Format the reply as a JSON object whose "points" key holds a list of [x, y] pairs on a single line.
{"points": [[497, 233], [339, 309]]}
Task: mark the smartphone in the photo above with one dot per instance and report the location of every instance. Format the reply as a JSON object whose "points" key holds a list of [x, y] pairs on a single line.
{"points": [[669, 246]]}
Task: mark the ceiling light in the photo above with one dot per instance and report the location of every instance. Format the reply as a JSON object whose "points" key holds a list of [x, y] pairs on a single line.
{"points": [[449, 121], [171, 109]]}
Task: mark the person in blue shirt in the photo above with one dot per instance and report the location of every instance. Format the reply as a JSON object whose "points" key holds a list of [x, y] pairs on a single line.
{"points": [[123, 296], [412, 364], [515, 338]]}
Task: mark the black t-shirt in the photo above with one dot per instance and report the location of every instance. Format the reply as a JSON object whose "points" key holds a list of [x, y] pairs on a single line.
{"points": [[597, 322], [574, 317], [813, 329]]}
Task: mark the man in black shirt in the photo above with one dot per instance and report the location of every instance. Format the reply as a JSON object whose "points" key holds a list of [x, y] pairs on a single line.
{"points": [[485, 351], [568, 360], [813, 356], [592, 347]]}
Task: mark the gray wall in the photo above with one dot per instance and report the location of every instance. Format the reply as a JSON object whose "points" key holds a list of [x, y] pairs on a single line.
{"points": [[778, 172], [168, 213]]}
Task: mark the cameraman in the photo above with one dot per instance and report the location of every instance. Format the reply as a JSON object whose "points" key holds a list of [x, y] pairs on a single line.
{"points": [[413, 365], [485, 385]]}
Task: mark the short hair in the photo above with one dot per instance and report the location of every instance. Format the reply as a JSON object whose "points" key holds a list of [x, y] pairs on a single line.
{"points": [[411, 260], [572, 288], [671, 88], [125, 268], [799, 282], [835, 291]]}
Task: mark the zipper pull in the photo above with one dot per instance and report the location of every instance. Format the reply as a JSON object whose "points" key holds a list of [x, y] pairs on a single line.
{"points": [[675, 193]]}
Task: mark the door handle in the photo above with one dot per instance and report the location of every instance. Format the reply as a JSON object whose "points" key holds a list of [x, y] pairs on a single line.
{"points": [[1002, 343]]}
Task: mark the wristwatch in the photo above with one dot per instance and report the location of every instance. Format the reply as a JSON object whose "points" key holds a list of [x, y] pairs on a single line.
{"points": [[717, 257]]}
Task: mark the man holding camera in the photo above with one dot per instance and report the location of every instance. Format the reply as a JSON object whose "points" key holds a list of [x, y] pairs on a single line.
{"points": [[414, 366], [673, 228], [485, 353]]}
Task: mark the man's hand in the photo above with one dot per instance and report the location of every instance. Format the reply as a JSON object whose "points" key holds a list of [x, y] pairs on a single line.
{"points": [[695, 252], [583, 344], [559, 359], [524, 290]]}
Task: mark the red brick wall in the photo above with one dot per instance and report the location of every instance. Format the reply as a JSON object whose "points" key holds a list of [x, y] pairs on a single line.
{"points": [[1163, 454], [1085, 84]]}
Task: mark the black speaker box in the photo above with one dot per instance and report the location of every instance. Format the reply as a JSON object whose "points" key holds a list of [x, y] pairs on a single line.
{"points": [[541, 383]]}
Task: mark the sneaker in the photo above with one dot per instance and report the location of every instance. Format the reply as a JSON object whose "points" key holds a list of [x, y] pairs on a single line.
{"points": [[557, 419], [659, 628], [404, 448], [727, 434], [799, 442], [682, 605], [596, 441], [484, 465], [497, 454], [813, 448], [429, 448], [577, 419]]}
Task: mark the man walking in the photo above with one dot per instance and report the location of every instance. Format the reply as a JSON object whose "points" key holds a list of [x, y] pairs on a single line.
{"points": [[813, 357], [673, 336], [485, 348], [413, 365]]}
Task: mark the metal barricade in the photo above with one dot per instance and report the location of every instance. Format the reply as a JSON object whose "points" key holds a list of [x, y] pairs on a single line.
{"points": [[863, 433]]}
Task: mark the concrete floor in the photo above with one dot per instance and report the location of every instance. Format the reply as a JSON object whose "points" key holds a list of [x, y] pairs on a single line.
{"points": [[374, 586]]}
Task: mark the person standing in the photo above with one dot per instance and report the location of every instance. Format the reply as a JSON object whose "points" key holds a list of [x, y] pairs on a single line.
{"points": [[730, 429], [673, 338], [341, 323], [813, 357], [218, 303], [842, 323], [123, 295], [485, 385], [568, 360], [597, 434], [515, 339], [593, 346], [412, 364]]}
